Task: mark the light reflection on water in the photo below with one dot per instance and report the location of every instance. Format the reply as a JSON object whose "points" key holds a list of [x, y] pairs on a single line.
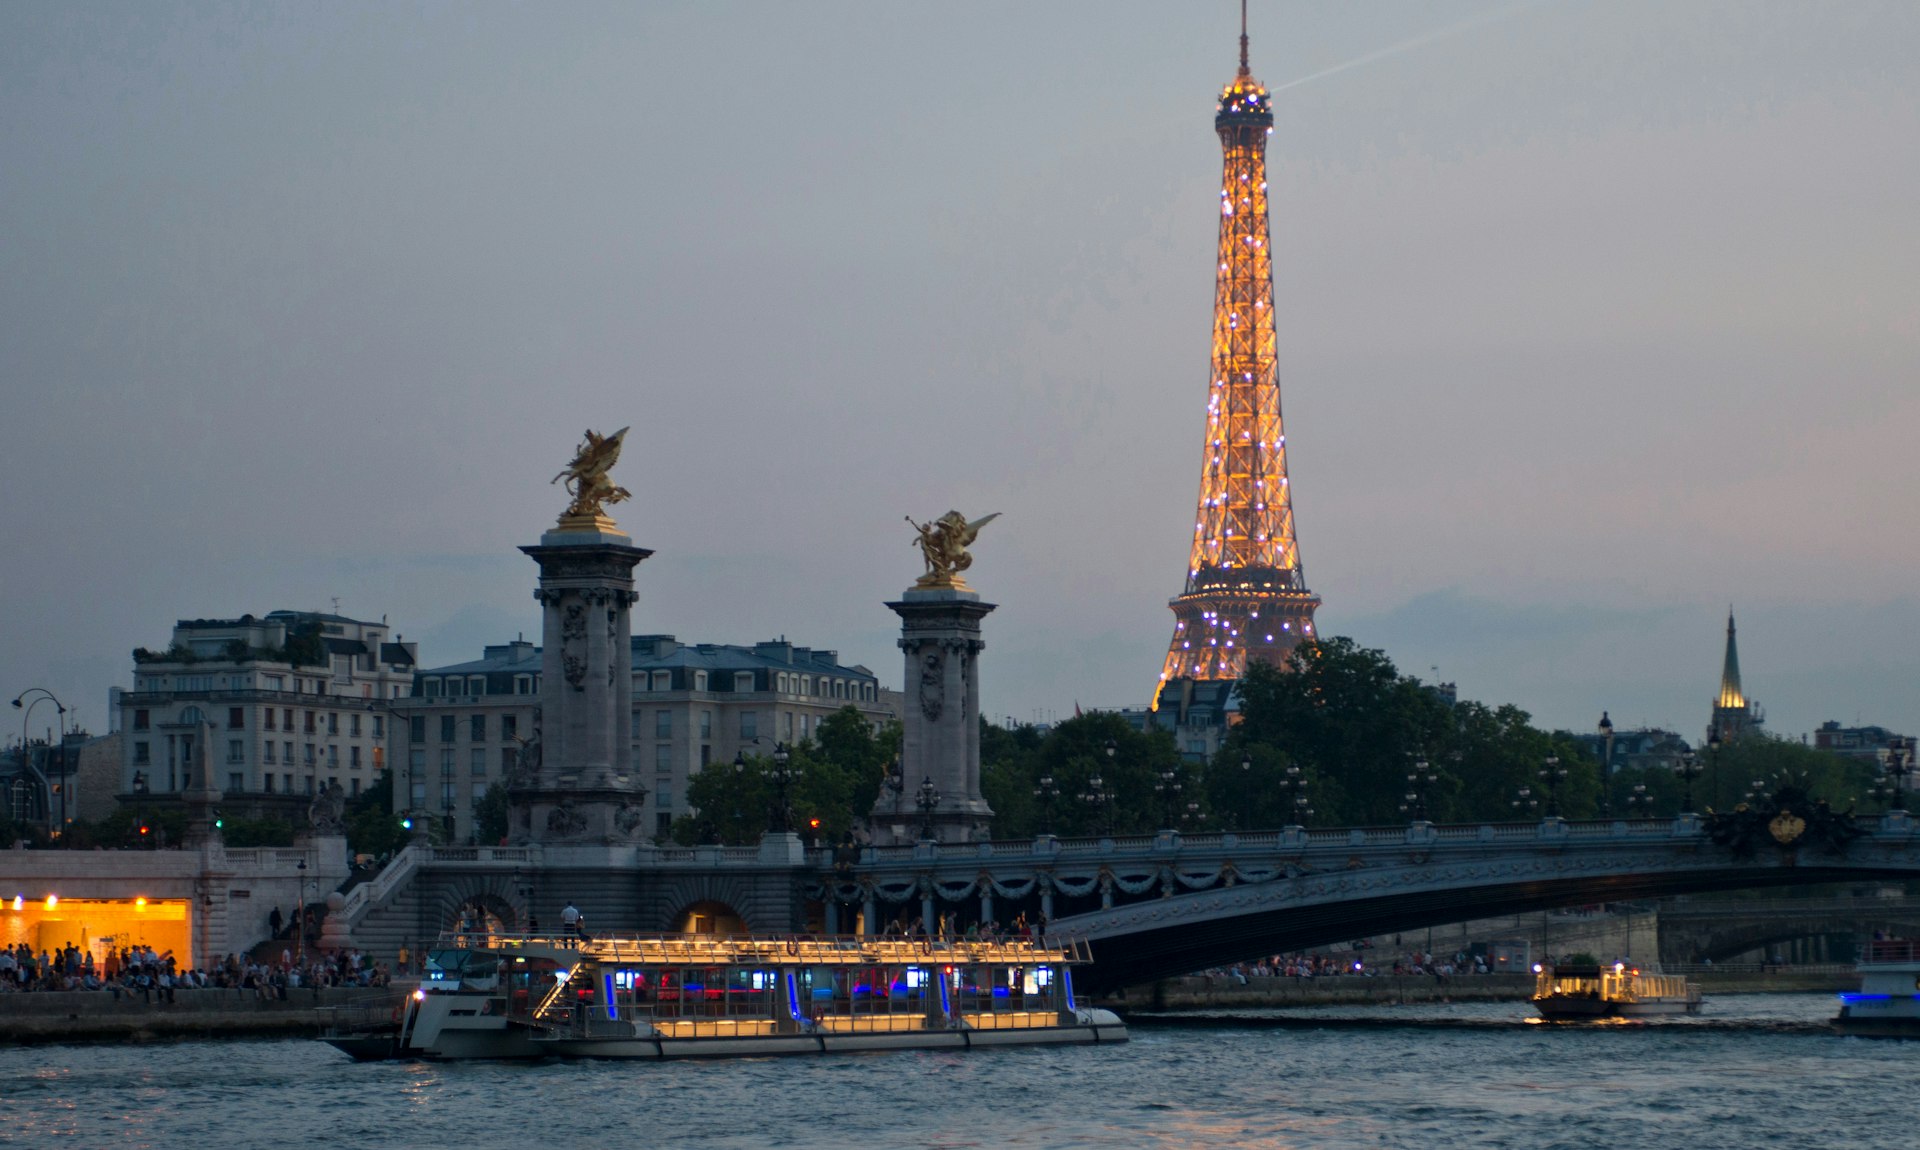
{"points": [[1751, 1071]]}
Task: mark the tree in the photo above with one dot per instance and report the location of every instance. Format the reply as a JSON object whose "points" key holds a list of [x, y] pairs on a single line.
{"points": [[372, 826], [490, 815]]}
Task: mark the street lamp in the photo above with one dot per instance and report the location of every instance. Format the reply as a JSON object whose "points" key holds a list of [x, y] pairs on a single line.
{"points": [[1524, 803], [1899, 764], [410, 817], [1299, 810], [1689, 771], [1420, 780], [1097, 797], [1713, 761], [1168, 788], [1606, 733], [1195, 816], [1046, 792], [1639, 802], [1552, 774], [782, 776], [140, 791], [42, 695], [928, 802], [300, 917]]}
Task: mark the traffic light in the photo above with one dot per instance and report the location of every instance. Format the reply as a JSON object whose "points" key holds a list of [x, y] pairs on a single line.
{"points": [[219, 820], [143, 828], [406, 824]]}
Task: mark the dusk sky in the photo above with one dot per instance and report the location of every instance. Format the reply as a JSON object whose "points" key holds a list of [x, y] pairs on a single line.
{"points": [[1594, 319]]}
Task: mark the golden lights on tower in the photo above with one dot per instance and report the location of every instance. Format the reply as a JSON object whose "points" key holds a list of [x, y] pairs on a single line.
{"points": [[1245, 592]]}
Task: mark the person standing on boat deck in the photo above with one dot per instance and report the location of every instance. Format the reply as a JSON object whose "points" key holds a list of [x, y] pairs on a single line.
{"points": [[570, 921]]}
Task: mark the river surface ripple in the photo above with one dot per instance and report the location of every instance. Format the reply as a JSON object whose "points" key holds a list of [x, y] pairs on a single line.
{"points": [[1754, 1071]]}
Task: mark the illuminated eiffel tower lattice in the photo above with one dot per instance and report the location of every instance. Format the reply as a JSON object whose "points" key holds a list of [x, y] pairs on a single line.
{"points": [[1246, 595]]}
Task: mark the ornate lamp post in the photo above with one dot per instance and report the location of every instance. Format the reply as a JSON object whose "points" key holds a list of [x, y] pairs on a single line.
{"points": [[1419, 781], [928, 802], [1606, 734], [1713, 762], [1097, 797], [1552, 774], [1899, 764], [1168, 788], [42, 695], [1689, 771], [1524, 804], [1639, 802], [1195, 816], [782, 775], [1295, 785], [1046, 792], [140, 791], [300, 918]]}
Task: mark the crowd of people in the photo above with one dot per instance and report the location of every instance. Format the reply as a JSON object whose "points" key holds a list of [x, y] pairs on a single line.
{"points": [[1355, 963], [140, 971]]}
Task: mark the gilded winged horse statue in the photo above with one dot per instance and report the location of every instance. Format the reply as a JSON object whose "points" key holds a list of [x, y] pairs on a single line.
{"points": [[586, 480], [943, 543]]}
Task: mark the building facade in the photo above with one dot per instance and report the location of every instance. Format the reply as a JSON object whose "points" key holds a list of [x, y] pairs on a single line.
{"points": [[1868, 744], [693, 705], [295, 701]]}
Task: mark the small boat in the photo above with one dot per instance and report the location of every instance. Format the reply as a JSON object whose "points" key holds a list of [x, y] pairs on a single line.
{"points": [[693, 996], [1589, 990], [1887, 1005]]}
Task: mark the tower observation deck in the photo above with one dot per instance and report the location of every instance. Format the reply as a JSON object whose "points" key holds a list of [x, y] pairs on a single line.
{"points": [[1246, 595]]}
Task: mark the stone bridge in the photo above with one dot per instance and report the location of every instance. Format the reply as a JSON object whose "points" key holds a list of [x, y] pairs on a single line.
{"points": [[1720, 931], [1152, 906]]}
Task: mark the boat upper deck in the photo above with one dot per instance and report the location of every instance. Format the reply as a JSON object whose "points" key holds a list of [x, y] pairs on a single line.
{"points": [[1891, 951], [778, 950]]}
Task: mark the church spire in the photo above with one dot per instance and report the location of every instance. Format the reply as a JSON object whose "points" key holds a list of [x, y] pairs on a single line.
{"points": [[1730, 696]]}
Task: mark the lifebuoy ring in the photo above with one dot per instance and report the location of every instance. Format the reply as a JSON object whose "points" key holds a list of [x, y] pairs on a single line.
{"points": [[926, 944], [793, 946], [399, 1012]]}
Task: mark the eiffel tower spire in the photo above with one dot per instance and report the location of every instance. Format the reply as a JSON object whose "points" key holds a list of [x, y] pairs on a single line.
{"points": [[1246, 595]]}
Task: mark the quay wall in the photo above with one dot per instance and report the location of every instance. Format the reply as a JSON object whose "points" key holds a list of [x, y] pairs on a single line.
{"points": [[94, 1015], [1199, 992]]}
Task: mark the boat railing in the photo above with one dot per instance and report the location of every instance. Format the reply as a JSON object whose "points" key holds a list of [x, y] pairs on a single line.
{"points": [[790, 950], [1892, 950]]}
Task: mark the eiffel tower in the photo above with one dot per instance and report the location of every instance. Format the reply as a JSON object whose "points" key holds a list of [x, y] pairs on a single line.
{"points": [[1246, 595]]}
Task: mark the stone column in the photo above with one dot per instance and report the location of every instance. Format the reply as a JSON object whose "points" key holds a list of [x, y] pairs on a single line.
{"points": [[575, 781], [940, 636]]}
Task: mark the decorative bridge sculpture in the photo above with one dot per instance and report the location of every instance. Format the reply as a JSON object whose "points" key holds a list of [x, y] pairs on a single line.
{"points": [[1168, 904]]}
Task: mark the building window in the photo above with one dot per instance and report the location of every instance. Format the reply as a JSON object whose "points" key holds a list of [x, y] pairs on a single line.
{"points": [[333, 757], [353, 725], [266, 718], [236, 718], [309, 784], [477, 759], [743, 681], [266, 780], [663, 724], [446, 728], [353, 756], [356, 786], [786, 725], [663, 680], [663, 758], [507, 757], [782, 682], [419, 792], [479, 793], [312, 758], [446, 761], [333, 722], [266, 752], [417, 728], [273, 683], [706, 755], [749, 725], [699, 680], [236, 781], [142, 753], [477, 685], [379, 727], [477, 729], [286, 718], [523, 684], [288, 759], [447, 790], [236, 751], [509, 727], [706, 724], [309, 723], [665, 799], [142, 720], [662, 824]]}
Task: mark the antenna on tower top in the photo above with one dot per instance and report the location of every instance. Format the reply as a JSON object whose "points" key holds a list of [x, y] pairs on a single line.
{"points": [[1243, 37]]}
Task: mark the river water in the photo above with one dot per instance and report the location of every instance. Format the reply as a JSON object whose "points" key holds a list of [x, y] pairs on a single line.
{"points": [[1753, 1071]]}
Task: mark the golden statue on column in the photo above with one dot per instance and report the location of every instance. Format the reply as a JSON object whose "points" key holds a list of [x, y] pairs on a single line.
{"points": [[943, 543], [586, 480]]}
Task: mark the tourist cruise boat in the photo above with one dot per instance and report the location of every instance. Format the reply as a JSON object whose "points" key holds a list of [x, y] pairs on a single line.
{"points": [[687, 996], [1589, 990], [1887, 1004]]}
